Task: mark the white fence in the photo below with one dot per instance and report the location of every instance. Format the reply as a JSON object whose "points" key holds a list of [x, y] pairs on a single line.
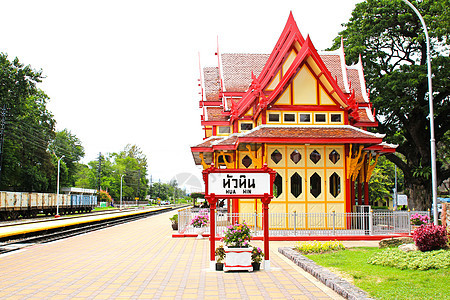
{"points": [[309, 224]]}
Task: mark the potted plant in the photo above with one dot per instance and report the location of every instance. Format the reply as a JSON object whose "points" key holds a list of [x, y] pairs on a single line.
{"points": [[257, 256], [199, 222], [174, 220], [238, 254], [220, 255]]}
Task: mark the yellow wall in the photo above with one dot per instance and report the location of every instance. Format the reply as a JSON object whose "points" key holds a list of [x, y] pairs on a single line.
{"points": [[305, 88], [306, 201]]}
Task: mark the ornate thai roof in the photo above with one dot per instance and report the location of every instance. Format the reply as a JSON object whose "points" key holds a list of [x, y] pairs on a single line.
{"points": [[238, 68], [311, 134]]}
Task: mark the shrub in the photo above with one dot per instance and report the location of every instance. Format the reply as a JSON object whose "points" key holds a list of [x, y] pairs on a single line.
{"points": [[319, 247], [418, 219], [430, 237], [414, 260], [104, 196]]}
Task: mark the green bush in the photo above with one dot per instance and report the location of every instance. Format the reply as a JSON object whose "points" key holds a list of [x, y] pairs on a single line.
{"points": [[319, 247], [414, 260]]}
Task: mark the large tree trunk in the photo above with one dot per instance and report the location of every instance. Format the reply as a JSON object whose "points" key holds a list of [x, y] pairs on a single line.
{"points": [[419, 194]]}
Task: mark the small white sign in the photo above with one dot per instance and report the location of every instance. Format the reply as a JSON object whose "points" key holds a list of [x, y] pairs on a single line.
{"points": [[402, 199], [239, 183]]}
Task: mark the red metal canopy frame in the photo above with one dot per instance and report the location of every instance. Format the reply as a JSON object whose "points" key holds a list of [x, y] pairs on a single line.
{"points": [[212, 200]]}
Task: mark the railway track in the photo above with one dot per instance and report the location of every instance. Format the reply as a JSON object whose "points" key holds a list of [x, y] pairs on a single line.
{"points": [[27, 239]]}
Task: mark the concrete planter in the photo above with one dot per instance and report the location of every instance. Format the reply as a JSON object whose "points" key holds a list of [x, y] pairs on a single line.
{"points": [[200, 231], [238, 259]]}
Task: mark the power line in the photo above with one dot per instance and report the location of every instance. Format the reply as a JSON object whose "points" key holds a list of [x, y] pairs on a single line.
{"points": [[2, 132]]}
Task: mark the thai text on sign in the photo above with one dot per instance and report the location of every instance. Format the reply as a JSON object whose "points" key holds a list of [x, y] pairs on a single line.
{"points": [[239, 183]]}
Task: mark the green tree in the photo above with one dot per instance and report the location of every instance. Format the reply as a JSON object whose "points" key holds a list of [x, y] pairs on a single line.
{"points": [[390, 38], [131, 163], [67, 144], [382, 181], [27, 165]]}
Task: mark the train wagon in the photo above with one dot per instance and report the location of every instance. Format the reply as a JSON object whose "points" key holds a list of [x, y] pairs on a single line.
{"points": [[71, 200]]}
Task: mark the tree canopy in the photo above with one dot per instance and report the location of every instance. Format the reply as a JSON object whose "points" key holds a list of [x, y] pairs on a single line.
{"points": [[128, 165], [390, 38], [29, 128], [31, 146]]}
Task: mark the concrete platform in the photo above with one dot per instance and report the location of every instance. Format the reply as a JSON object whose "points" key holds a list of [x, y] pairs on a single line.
{"points": [[11, 230], [141, 260]]}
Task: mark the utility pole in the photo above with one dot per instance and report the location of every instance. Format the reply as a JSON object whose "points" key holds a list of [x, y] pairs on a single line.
{"points": [[99, 175], [151, 189], [139, 185], [2, 136], [99, 170]]}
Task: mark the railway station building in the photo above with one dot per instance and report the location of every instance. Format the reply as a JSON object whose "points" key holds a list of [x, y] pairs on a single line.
{"points": [[302, 112]]}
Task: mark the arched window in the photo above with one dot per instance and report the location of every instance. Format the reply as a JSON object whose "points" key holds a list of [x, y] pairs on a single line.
{"points": [[277, 186], [315, 187], [335, 184], [296, 185]]}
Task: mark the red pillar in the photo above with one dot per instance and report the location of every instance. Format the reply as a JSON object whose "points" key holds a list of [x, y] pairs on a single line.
{"points": [[212, 229], [352, 192], [265, 201], [359, 190], [366, 183], [235, 211]]}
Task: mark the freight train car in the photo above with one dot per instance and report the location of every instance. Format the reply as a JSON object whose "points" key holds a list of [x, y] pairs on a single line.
{"points": [[15, 204]]}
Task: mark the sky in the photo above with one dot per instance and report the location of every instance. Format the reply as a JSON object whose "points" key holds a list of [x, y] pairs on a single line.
{"points": [[125, 72]]}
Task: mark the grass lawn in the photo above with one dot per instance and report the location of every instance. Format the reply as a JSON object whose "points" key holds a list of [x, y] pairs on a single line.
{"points": [[385, 282]]}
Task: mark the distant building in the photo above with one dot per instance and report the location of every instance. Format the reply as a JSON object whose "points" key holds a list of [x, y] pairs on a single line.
{"points": [[303, 113]]}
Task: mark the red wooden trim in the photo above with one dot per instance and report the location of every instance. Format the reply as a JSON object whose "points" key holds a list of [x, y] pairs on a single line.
{"points": [[366, 124], [231, 94], [218, 123], [348, 192], [301, 108], [210, 103], [359, 186], [225, 147], [309, 140], [201, 149], [366, 183]]}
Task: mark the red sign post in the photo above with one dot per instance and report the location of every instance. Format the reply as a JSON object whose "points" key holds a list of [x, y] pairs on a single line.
{"points": [[239, 184]]}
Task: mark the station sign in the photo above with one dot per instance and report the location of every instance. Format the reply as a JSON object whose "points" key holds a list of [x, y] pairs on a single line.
{"points": [[239, 184]]}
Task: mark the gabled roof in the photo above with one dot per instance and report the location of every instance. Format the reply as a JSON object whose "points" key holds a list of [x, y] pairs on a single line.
{"points": [[212, 83], [238, 68], [245, 76], [215, 114], [294, 134], [313, 134], [291, 38]]}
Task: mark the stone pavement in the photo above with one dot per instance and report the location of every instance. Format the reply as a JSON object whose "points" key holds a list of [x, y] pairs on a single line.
{"points": [[140, 260]]}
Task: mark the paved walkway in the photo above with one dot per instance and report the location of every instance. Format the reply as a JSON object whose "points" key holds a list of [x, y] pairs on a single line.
{"points": [[140, 260]]}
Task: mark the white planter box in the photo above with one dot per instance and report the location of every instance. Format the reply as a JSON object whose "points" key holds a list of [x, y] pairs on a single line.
{"points": [[238, 259]]}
